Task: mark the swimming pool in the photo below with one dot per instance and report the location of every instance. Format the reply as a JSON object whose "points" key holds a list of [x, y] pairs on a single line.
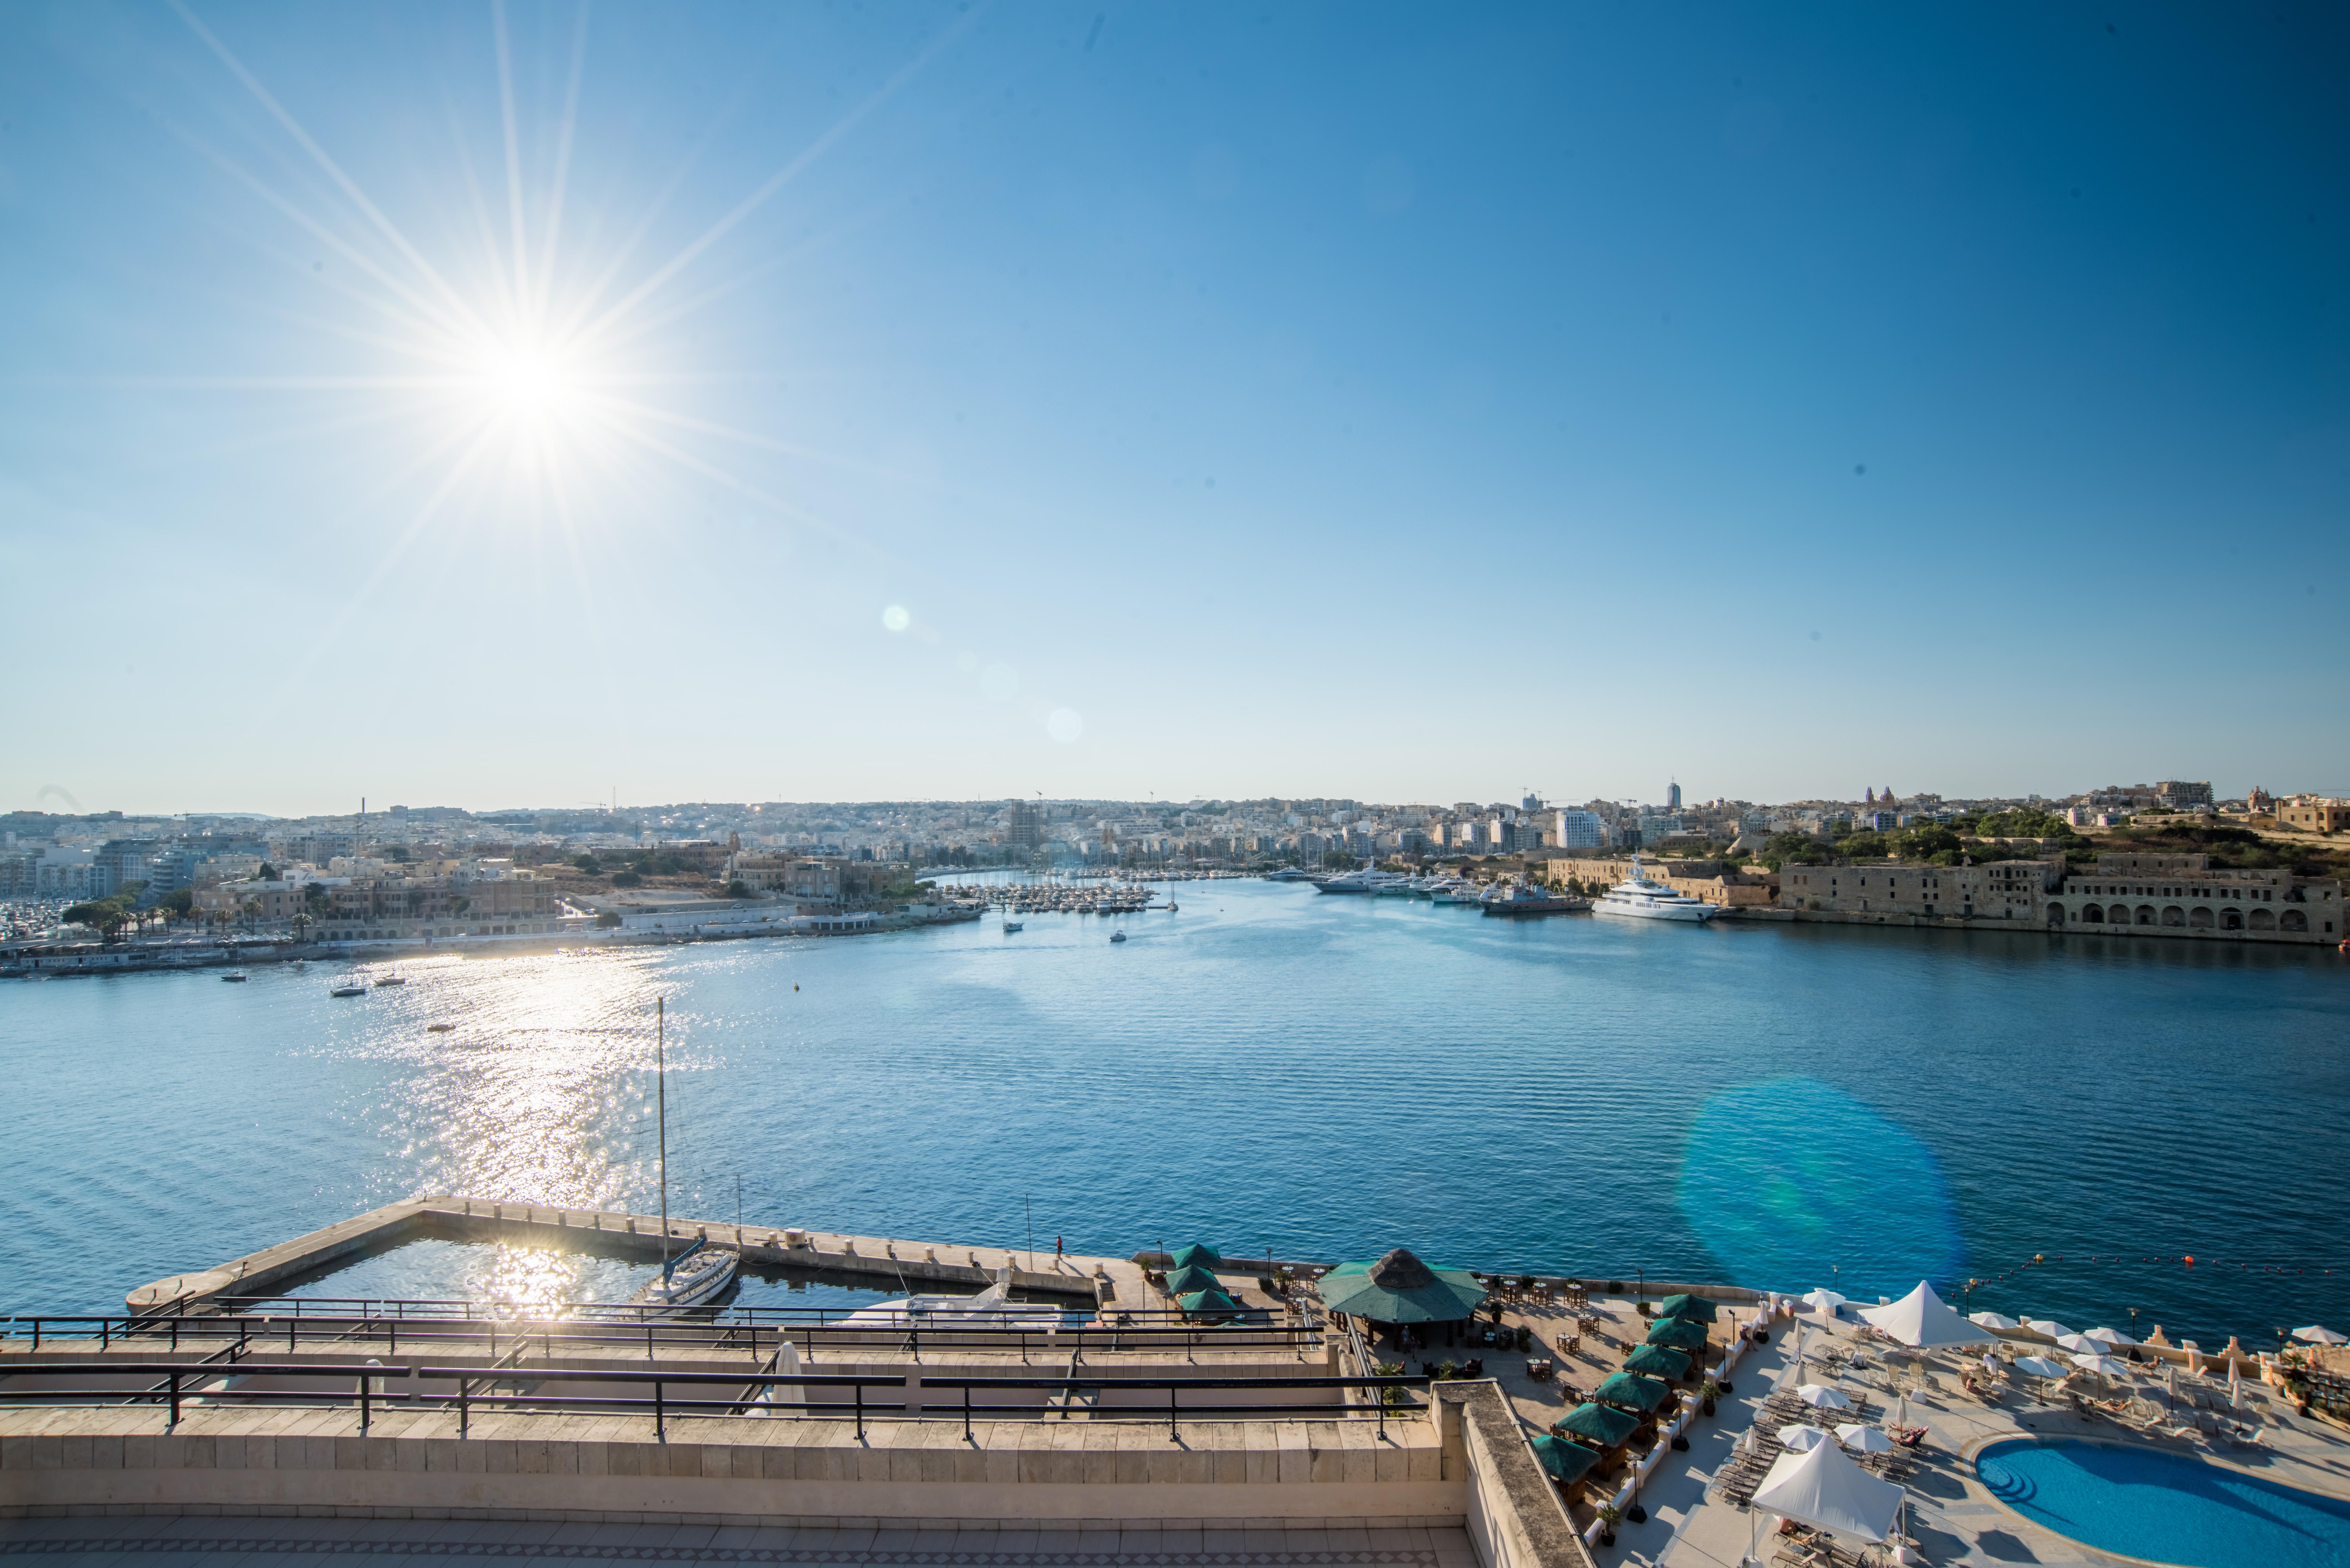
{"points": [[2165, 1507]]}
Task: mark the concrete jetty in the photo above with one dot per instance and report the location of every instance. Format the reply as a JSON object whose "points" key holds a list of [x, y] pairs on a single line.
{"points": [[454, 1217]]}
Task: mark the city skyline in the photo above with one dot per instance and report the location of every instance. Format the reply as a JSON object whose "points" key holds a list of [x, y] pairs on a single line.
{"points": [[510, 404]]}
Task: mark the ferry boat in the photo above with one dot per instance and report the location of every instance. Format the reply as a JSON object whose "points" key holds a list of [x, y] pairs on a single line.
{"points": [[234, 976], [1640, 898]]}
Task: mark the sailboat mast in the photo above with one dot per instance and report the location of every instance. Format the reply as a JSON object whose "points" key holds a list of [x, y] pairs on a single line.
{"points": [[660, 1094]]}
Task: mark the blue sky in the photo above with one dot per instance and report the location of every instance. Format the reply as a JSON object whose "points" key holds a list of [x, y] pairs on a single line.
{"points": [[1400, 402]]}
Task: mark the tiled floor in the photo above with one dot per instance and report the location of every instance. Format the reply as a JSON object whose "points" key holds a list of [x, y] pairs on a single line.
{"points": [[140, 1542]]}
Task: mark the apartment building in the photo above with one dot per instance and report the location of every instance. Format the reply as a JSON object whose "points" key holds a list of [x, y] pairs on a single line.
{"points": [[2313, 813]]}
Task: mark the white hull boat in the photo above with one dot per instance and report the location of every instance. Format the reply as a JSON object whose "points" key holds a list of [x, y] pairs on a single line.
{"points": [[1638, 898]]}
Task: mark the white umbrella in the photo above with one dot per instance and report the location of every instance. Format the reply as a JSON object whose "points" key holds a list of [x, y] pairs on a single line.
{"points": [[1825, 1490], [2048, 1326], [1920, 1320], [2081, 1344], [1825, 1301], [2316, 1335], [2110, 1336], [2104, 1366], [1862, 1439], [1823, 1397], [1799, 1438], [1996, 1321]]}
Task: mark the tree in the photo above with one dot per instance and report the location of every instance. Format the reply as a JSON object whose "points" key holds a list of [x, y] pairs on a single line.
{"points": [[178, 903], [267, 873], [738, 888], [105, 916], [607, 920]]}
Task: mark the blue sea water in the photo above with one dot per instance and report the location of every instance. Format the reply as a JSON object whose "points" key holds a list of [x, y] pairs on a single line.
{"points": [[1270, 1070], [2167, 1507]]}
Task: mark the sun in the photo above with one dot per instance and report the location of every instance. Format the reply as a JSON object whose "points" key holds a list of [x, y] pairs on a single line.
{"points": [[528, 382]]}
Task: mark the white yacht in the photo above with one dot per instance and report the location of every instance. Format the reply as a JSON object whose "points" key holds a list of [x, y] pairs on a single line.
{"points": [[1364, 881], [699, 1276], [1643, 900], [991, 1308]]}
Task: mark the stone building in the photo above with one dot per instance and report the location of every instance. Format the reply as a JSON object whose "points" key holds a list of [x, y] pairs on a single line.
{"points": [[2003, 890], [2185, 896], [1701, 879]]}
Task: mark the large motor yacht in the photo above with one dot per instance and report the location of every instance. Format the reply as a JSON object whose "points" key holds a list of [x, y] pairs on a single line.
{"points": [[1364, 881], [1643, 900]]}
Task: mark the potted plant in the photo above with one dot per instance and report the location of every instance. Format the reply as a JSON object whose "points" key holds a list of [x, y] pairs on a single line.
{"points": [[1708, 1391], [1609, 1516], [1525, 1337], [1448, 1369]]}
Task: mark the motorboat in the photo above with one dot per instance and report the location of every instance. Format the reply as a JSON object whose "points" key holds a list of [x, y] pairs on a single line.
{"points": [[1286, 874], [1526, 898], [694, 1278], [350, 986], [1640, 898], [1456, 892], [1118, 936], [234, 977], [1364, 881], [991, 1308], [395, 978], [1012, 926], [439, 1028]]}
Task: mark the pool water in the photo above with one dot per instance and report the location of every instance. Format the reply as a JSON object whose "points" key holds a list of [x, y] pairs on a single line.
{"points": [[2165, 1507]]}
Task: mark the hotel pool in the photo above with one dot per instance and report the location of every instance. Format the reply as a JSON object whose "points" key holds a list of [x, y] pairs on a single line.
{"points": [[2165, 1507]]}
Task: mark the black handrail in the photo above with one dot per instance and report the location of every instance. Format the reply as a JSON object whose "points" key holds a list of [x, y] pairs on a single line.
{"points": [[178, 1375]]}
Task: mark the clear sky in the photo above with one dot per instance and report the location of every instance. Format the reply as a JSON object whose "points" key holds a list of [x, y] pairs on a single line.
{"points": [[725, 401]]}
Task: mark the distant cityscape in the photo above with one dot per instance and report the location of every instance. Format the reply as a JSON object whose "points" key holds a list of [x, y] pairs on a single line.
{"points": [[443, 874]]}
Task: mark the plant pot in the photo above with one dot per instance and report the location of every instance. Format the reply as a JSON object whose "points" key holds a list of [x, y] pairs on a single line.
{"points": [[1607, 1538], [1705, 1407]]}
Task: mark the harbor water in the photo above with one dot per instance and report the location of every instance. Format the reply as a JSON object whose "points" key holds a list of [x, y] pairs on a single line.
{"points": [[1276, 1072]]}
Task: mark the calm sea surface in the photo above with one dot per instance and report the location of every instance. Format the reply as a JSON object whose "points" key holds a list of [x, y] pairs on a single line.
{"points": [[1269, 1069]]}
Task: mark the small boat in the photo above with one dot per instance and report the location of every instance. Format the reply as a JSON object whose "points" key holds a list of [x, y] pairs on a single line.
{"points": [[395, 978], [351, 987], [1118, 936], [1173, 905], [1012, 926], [439, 1028], [234, 976], [692, 1278]]}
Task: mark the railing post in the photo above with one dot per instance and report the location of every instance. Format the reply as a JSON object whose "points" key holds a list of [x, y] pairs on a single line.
{"points": [[966, 1412], [175, 1397], [176, 1331], [105, 1332], [365, 1390], [1173, 1432], [464, 1407], [860, 1412], [661, 1428]]}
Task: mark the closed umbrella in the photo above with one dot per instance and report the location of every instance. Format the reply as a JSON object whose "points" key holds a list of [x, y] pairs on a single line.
{"points": [[2317, 1335], [1862, 1439], [1823, 1397], [1996, 1321], [1799, 1438]]}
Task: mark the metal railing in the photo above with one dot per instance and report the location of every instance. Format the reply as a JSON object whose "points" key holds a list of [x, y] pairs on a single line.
{"points": [[746, 1394], [1165, 1331]]}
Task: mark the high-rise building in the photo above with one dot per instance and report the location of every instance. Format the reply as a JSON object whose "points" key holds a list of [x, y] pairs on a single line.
{"points": [[1027, 826], [1672, 797]]}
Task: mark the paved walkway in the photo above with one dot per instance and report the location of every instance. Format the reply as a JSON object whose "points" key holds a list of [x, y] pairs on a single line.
{"points": [[222, 1542]]}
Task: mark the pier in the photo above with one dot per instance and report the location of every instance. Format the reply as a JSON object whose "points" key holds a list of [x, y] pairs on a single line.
{"points": [[454, 1217]]}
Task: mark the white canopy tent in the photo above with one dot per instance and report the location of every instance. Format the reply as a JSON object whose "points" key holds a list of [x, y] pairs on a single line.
{"points": [[1823, 1489], [1921, 1320]]}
